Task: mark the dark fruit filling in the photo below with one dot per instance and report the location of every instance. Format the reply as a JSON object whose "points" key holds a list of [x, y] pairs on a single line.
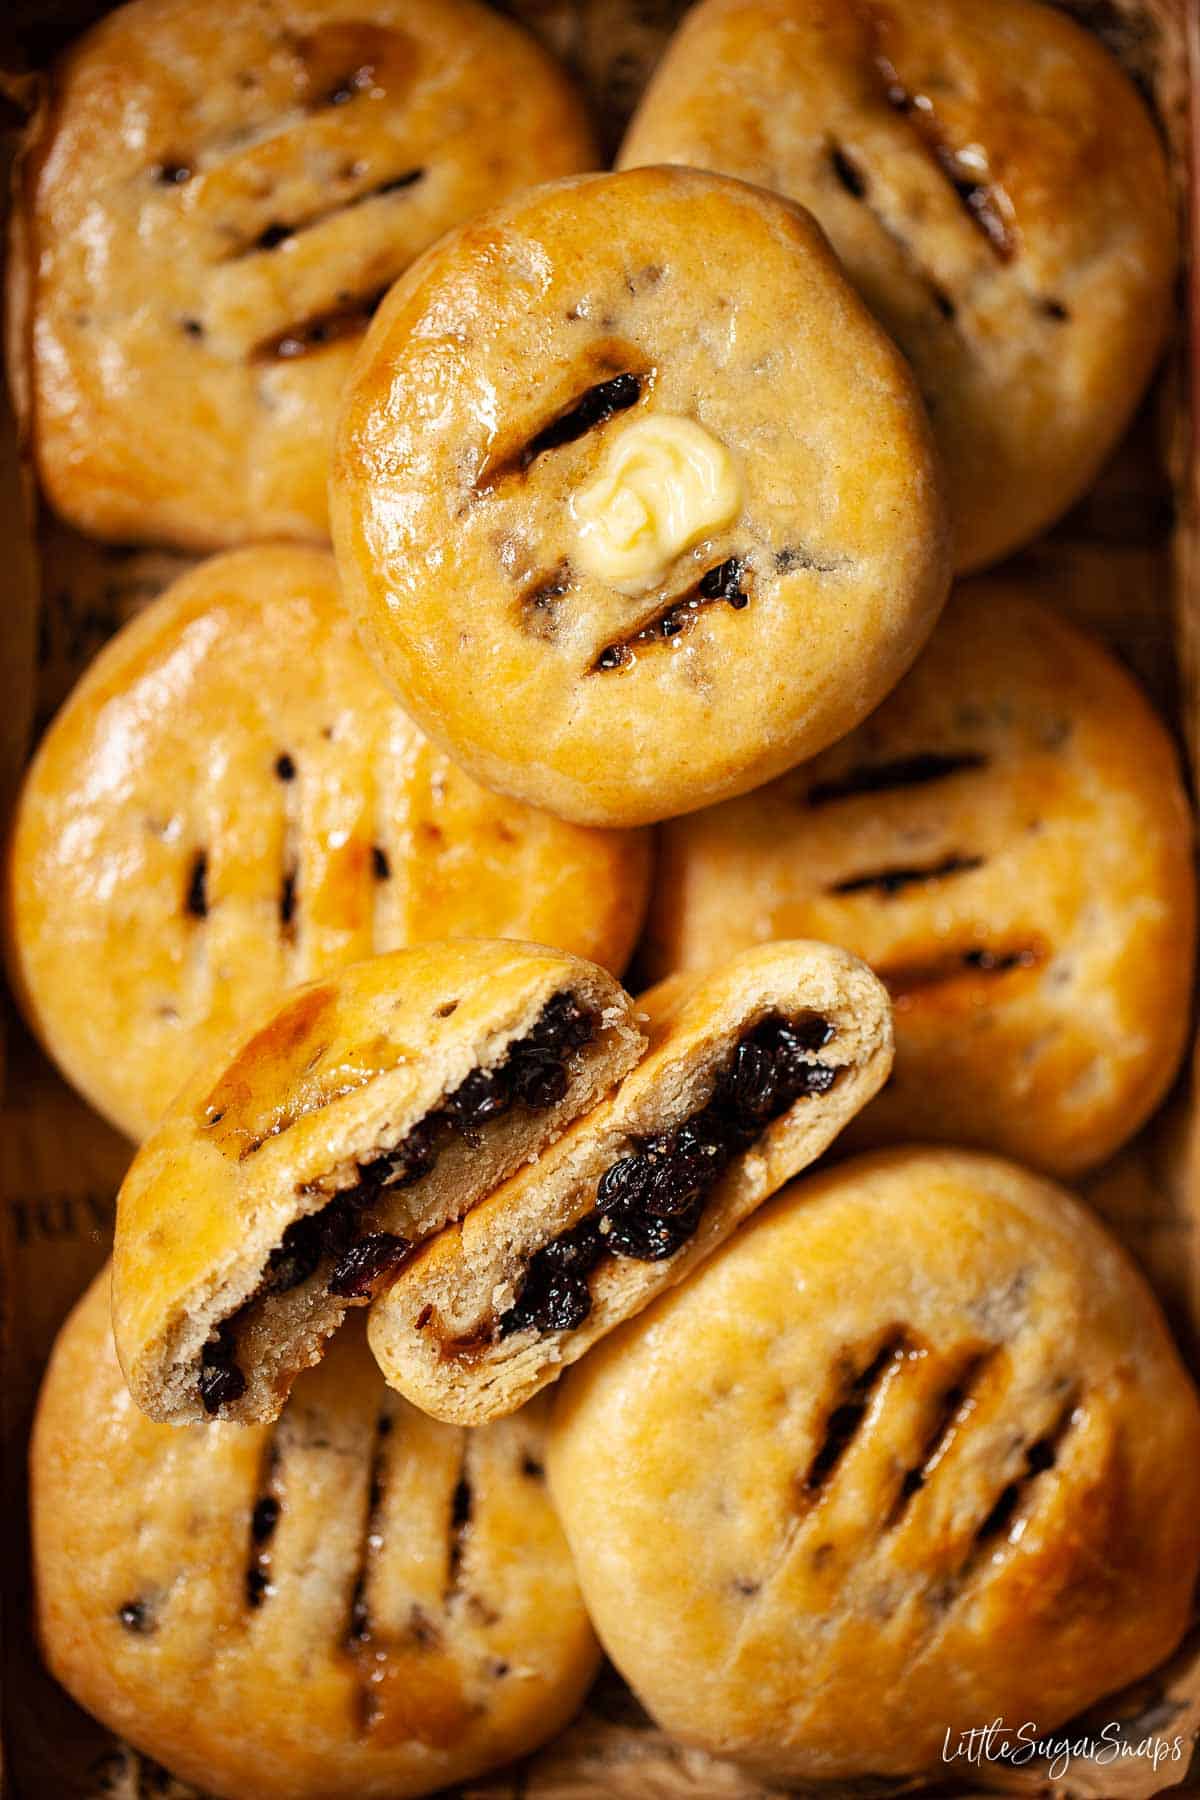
{"points": [[346, 319], [364, 1263], [649, 1204], [196, 899], [725, 583], [257, 1583], [722, 583], [221, 1381], [339, 1238], [593, 408], [265, 1518], [555, 1296]]}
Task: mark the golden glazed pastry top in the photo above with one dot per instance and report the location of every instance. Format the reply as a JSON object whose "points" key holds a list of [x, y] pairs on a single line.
{"points": [[214, 200], [232, 802], [622, 545], [997, 191], [1007, 841], [913, 1452], [356, 1601]]}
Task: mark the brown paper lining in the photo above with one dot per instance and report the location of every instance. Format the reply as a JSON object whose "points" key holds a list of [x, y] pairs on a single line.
{"points": [[1116, 565]]}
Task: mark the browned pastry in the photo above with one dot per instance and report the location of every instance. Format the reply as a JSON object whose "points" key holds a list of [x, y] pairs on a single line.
{"points": [[913, 1452], [296, 1169], [752, 1071], [622, 546], [994, 186], [214, 200], [1008, 843], [356, 1601], [231, 802]]}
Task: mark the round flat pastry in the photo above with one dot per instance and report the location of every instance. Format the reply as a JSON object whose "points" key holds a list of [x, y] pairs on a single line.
{"points": [[623, 547], [997, 191], [297, 1169], [408, 1581], [214, 200], [912, 1453], [1008, 843], [231, 802], [751, 1072]]}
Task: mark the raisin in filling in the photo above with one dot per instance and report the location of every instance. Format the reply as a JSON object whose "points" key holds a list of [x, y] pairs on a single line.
{"points": [[340, 1237], [649, 1204], [221, 1381]]}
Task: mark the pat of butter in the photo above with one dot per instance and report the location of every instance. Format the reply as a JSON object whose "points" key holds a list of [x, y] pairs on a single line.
{"points": [[665, 484]]}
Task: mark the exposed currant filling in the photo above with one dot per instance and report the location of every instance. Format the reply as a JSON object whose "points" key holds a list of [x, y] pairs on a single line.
{"points": [[341, 1240], [650, 1203]]}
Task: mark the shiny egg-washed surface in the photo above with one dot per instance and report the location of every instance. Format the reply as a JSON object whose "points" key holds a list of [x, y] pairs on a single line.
{"points": [[493, 383], [997, 191], [1007, 842], [913, 1452], [406, 1581], [214, 200], [232, 802]]}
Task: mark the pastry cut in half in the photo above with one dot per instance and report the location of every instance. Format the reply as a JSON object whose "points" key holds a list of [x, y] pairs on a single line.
{"points": [[298, 1169], [356, 1600], [913, 1452], [212, 202], [231, 802], [996, 189], [1008, 842], [622, 545], [752, 1071]]}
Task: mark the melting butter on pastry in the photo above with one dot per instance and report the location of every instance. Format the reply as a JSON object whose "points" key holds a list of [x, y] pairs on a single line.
{"points": [[666, 483]]}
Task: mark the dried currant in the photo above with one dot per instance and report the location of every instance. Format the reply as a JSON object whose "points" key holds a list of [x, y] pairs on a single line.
{"points": [[652, 1200], [482, 1095], [296, 1258], [361, 1266], [221, 1381], [539, 1081]]}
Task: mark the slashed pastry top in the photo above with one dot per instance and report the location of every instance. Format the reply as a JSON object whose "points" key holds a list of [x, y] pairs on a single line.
{"points": [[354, 1601], [622, 545], [232, 802], [752, 1070], [300, 1165], [214, 199], [996, 189], [1008, 843], [913, 1452]]}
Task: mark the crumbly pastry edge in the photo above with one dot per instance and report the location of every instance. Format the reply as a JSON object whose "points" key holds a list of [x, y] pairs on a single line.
{"points": [[484, 1254], [162, 1371]]}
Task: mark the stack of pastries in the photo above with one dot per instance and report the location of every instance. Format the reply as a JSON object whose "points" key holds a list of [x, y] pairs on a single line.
{"points": [[577, 600]]}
